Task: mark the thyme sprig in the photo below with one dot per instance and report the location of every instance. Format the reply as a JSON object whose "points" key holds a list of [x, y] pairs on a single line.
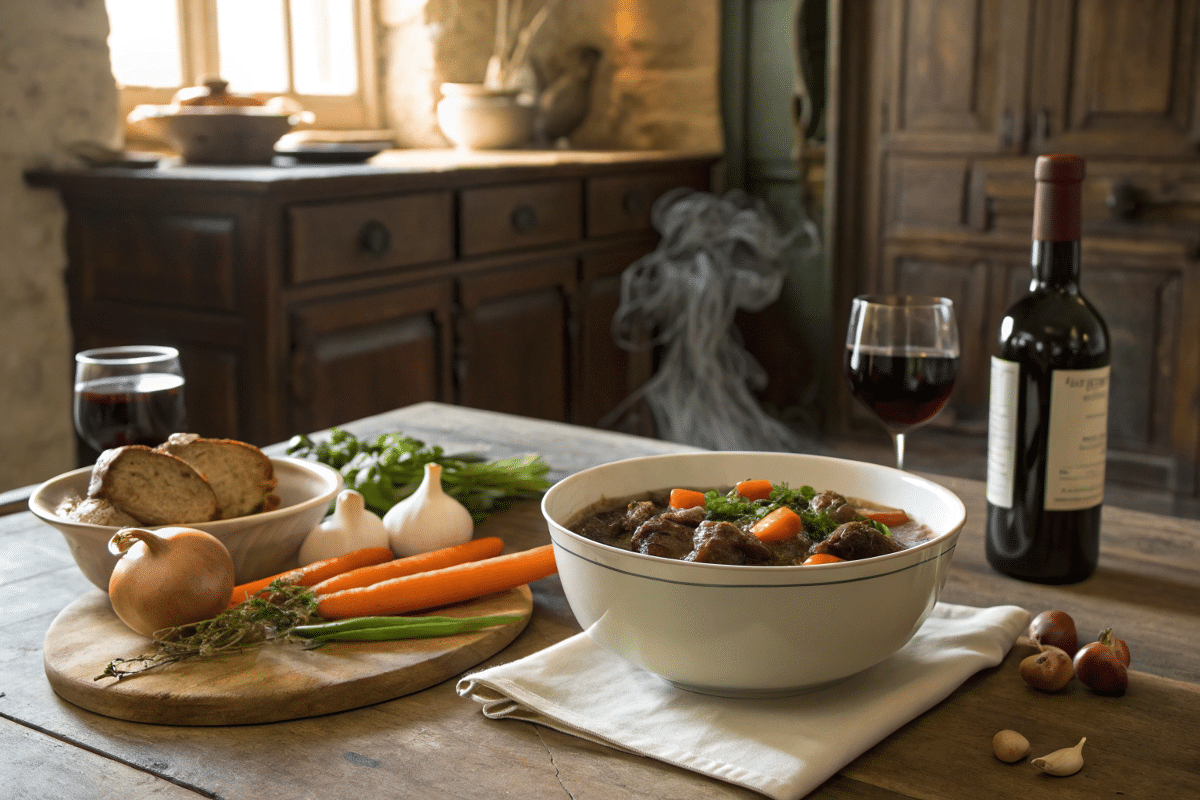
{"points": [[269, 615]]}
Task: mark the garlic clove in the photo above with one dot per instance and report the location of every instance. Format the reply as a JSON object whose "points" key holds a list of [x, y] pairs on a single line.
{"points": [[1063, 762], [428, 519], [350, 527], [1010, 746]]}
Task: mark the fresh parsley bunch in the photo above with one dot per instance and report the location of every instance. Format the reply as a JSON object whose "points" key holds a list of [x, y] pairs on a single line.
{"points": [[390, 467]]}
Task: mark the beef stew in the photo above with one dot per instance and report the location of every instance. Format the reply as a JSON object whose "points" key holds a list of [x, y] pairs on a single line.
{"points": [[726, 529]]}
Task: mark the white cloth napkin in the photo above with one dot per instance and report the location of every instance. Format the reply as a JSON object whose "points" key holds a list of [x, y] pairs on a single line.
{"points": [[783, 748]]}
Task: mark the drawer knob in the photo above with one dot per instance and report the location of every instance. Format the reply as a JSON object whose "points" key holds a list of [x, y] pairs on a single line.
{"points": [[1122, 200], [523, 219], [374, 238], [634, 201]]}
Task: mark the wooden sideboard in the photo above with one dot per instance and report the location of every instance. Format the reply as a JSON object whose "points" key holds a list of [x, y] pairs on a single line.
{"points": [[942, 107], [304, 296]]}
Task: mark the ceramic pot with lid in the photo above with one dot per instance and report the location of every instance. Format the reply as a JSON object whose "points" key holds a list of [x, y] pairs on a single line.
{"points": [[209, 125]]}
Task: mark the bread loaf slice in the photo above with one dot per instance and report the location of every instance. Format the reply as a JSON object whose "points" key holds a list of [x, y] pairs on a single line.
{"points": [[152, 487], [97, 511], [241, 475]]}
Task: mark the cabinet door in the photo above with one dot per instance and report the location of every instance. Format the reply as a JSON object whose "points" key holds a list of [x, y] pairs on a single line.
{"points": [[1145, 291], [357, 356], [514, 339], [954, 79], [1115, 77], [607, 374]]}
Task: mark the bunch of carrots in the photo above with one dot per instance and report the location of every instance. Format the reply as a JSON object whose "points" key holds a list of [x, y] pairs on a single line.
{"points": [[372, 582], [783, 522]]}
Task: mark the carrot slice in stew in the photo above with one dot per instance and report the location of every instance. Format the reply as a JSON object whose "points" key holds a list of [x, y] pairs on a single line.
{"points": [[782, 523], [686, 498], [821, 558], [889, 518], [755, 489]]}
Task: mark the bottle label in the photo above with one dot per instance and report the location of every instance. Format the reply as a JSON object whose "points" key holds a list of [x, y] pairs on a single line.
{"points": [[1002, 431], [1077, 439]]}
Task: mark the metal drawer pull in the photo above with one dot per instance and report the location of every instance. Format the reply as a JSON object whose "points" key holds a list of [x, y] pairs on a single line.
{"points": [[374, 238], [523, 219], [1122, 200]]}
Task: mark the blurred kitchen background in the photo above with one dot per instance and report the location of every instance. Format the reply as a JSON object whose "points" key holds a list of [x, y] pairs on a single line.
{"points": [[916, 172]]}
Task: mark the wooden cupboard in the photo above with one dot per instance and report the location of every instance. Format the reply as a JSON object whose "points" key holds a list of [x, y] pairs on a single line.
{"points": [[942, 107], [305, 296]]}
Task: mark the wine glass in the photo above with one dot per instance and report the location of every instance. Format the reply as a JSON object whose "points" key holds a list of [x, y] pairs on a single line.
{"points": [[128, 395], [901, 359]]}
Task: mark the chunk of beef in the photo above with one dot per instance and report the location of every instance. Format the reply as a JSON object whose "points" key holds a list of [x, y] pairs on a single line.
{"points": [[686, 516], [855, 540], [638, 512], [607, 527], [726, 543], [785, 552], [834, 505], [663, 538]]}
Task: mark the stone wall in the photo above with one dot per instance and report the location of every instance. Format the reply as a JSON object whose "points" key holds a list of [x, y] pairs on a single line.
{"points": [[656, 86], [56, 90]]}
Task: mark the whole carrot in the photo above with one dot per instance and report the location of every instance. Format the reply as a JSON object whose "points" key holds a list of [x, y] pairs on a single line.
{"points": [[440, 587], [474, 550], [315, 572]]}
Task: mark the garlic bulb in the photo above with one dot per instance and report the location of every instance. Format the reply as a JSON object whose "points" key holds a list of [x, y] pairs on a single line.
{"points": [[428, 519], [350, 527]]}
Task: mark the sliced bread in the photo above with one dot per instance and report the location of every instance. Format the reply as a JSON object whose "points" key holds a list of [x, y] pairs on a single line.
{"points": [[153, 487], [241, 475], [97, 511]]}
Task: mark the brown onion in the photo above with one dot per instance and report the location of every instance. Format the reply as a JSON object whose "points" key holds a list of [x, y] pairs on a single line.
{"points": [[1049, 670], [1100, 669], [168, 577], [1055, 628]]}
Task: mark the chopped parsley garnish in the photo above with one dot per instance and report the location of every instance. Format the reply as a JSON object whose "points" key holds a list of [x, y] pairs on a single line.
{"points": [[732, 507]]}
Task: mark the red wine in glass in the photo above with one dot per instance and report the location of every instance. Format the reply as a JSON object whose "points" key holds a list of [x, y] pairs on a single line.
{"points": [[128, 395], [903, 389], [130, 409], [901, 359]]}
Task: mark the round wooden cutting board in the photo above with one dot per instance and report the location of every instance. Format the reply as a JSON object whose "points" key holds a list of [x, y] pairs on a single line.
{"points": [[269, 683]]}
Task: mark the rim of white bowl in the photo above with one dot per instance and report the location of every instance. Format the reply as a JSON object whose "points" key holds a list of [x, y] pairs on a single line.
{"points": [[815, 570]]}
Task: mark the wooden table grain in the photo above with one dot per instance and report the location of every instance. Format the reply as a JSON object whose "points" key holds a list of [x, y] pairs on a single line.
{"points": [[434, 744]]}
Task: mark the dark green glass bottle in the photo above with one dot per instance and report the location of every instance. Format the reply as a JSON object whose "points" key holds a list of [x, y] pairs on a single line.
{"points": [[1048, 417]]}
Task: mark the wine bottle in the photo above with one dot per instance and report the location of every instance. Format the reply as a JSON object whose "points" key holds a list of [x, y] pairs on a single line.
{"points": [[1048, 412]]}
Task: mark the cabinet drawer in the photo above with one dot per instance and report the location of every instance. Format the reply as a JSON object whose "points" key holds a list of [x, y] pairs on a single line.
{"points": [[621, 203], [498, 218], [337, 240]]}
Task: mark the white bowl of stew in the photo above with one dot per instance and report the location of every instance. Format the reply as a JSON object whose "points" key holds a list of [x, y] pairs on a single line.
{"points": [[745, 630]]}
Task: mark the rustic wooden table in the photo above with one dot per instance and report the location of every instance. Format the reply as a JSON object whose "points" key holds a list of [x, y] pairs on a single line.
{"points": [[434, 744]]}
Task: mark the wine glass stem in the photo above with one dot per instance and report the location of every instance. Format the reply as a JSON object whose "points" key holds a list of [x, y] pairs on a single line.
{"points": [[898, 438]]}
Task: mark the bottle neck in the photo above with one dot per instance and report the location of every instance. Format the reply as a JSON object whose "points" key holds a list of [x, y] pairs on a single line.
{"points": [[1056, 264]]}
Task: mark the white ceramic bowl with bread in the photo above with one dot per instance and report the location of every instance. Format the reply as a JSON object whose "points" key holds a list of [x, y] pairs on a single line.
{"points": [[751, 631], [261, 544]]}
